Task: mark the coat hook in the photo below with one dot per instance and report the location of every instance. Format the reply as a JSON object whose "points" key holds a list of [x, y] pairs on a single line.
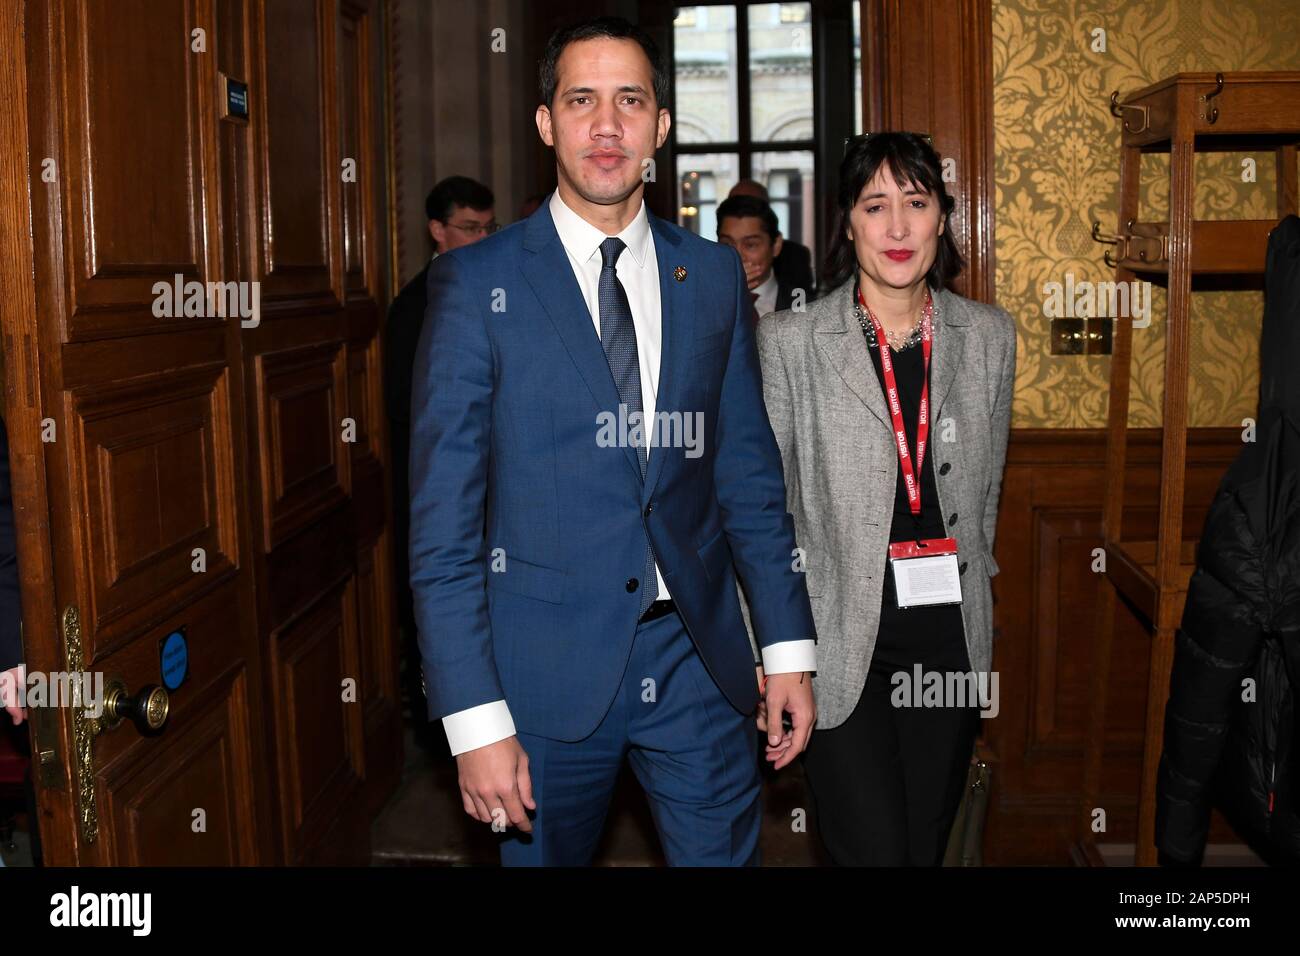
{"points": [[1098, 237], [1213, 115], [1120, 241], [1117, 108]]}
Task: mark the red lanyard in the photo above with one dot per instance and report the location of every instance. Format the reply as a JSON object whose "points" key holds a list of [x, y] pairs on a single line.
{"points": [[910, 482]]}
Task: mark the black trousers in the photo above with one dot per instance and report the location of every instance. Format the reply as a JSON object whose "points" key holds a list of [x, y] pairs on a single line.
{"points": [[887, 782]]}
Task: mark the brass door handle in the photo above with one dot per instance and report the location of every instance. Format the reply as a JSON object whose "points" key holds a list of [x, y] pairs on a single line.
{"points": [[147, 709]]}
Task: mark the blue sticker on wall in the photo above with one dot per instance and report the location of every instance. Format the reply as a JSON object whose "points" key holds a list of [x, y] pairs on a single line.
{"points": [[174, 659]]}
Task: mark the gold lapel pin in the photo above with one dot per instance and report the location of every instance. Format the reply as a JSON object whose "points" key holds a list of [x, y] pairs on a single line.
{"points": [[680, 273]]}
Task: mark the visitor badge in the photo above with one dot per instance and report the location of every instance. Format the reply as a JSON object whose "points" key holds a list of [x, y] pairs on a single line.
{"points": [[925, 572]]}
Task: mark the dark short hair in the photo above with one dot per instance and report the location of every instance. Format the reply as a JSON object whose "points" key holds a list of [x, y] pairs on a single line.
{"points": [[742, 207], [614, 28], [913, 162], [457, 191]]}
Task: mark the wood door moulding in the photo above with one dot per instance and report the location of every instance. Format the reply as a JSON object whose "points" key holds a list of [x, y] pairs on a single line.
{"points": [[132, 581], [293, 500], [313, 283], [927, 66], [164, 427], [23, 384]]}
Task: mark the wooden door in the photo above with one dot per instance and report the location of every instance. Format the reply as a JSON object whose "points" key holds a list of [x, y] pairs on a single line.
{"points": [[217, 473]]}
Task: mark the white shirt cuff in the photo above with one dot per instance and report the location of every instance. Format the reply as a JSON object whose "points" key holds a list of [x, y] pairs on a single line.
{"points": [[787, 657], [479, 726]]}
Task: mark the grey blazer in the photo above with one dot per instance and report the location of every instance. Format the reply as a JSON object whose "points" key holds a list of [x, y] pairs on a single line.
{"points": [[828, 413]]}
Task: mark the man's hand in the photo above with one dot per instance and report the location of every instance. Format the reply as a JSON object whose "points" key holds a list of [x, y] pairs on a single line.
{"points": [[495, 779], [10, 681], [792, 694]]}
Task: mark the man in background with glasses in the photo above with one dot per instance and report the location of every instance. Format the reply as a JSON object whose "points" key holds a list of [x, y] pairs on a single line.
{"points": [[460, 212]]}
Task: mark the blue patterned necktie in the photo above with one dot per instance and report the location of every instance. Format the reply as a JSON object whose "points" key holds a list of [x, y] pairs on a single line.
{"points": [[618, 339]]}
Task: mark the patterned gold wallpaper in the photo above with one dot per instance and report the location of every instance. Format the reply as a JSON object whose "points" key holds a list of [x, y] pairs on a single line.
{"points": [[1056, 166]]}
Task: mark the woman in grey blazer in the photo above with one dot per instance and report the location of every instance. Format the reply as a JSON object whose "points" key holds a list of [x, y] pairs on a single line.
{"points": [[899, 688]]}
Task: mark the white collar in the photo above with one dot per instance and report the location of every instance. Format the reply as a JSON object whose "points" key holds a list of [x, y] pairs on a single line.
{"points": [[767, 286], [583, 240]]}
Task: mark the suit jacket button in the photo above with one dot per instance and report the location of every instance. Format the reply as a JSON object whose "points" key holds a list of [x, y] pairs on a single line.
{"points": [[962, 569], [632, 585], [945, 468], [649, 508], [952, 520]]}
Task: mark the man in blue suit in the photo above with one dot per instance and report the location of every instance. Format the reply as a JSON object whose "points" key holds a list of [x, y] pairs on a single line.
{"points": [[591, 463]]}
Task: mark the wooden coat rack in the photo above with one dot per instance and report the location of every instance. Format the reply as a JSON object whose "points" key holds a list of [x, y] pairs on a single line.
{"points": [[1182, 115]]}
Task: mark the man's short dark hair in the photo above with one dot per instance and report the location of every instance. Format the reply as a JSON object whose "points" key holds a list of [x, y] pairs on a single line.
{"points": [[614, 28], [457, 191], [743, 207]]}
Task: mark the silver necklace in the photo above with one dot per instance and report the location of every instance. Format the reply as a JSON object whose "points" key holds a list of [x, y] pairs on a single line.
{"points": [[898, 343]]}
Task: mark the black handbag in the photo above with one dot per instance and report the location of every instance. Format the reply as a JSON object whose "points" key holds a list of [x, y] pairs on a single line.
{"points": [[966, 841]]}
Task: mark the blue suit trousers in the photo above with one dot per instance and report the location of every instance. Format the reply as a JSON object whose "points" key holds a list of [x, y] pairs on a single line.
{"points": [[693, 753]]}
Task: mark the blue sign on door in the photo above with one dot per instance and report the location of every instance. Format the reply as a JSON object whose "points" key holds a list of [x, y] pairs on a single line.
{"points": [[174, 659]]}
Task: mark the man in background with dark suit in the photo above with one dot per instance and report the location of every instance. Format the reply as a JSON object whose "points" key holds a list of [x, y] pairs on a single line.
{"points": [[460, 212], [749, 226], [793, 265]]}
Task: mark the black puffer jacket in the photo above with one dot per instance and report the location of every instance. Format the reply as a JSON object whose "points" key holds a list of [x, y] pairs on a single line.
{"points": [[1242, 619]]}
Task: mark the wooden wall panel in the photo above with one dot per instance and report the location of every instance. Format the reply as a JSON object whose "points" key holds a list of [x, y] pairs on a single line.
{"points": [[355, 121], [155, 463], [1048, 525], [129, 228], [361, 400], [301, 401], [300, 161], [361, 62], [189, 809], [374, 673], [322, 462], [318, 772]]}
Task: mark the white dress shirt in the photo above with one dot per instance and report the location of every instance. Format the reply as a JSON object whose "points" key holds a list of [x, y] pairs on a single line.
{"points": [[766, 290], [638, 272]]}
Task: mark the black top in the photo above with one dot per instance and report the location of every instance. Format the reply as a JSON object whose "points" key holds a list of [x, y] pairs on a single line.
{"points": [[932, 635]]}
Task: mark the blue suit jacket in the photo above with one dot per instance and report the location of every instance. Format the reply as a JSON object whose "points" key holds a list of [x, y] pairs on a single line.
{"points": [[525, 531]]}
